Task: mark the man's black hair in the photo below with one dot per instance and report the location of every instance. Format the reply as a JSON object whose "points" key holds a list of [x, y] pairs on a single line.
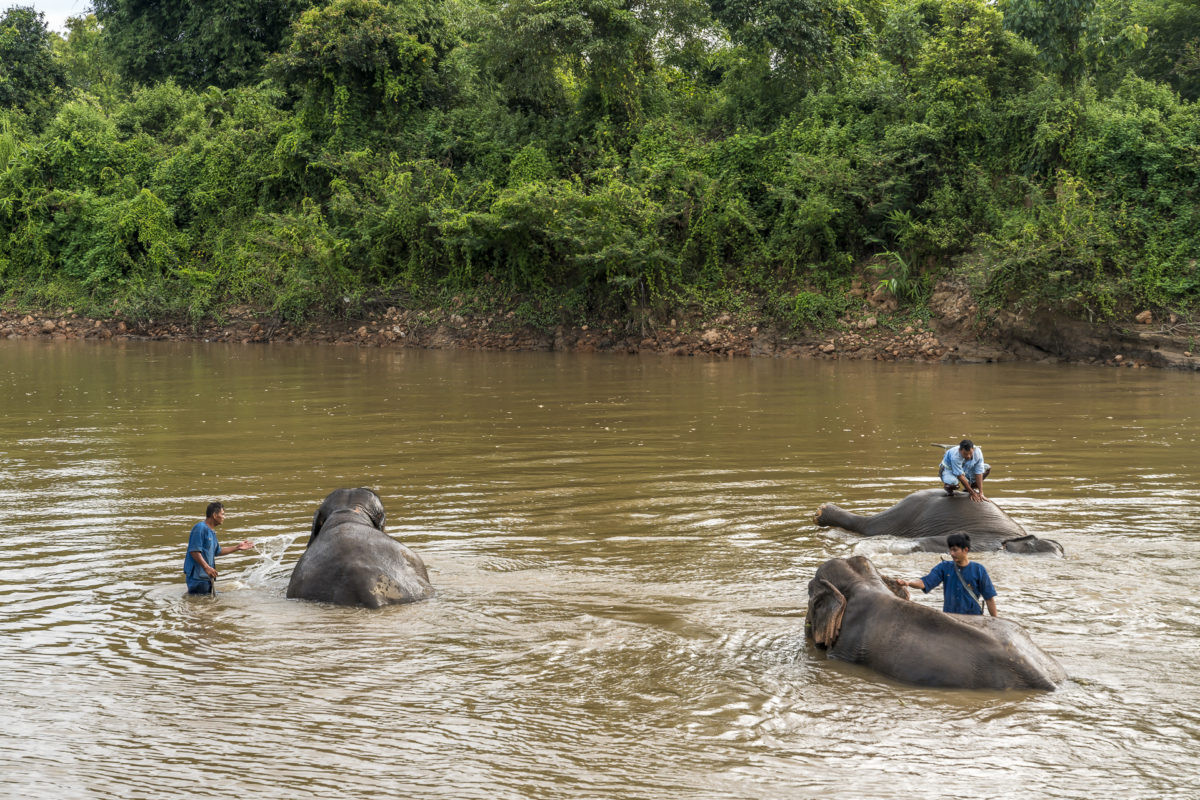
{"points": [[958, 540], [213, 508], [966, 444]]}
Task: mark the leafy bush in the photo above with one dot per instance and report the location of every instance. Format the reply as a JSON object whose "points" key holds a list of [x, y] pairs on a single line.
{"points": [[1061, 255], [303, 262], [809, 311]]}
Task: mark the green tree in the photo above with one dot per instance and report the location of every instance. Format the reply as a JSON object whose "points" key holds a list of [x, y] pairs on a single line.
{"points": [[85, 63], [30, 78], [967, 65], [533, 51], [1113, 41], [198, 43]]}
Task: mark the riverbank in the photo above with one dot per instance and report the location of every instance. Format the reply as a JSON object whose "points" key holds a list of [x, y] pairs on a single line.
{"points": [[952, 331]]}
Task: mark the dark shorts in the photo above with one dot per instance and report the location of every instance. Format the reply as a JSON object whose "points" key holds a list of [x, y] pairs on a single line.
{"points": [[201, 586]]}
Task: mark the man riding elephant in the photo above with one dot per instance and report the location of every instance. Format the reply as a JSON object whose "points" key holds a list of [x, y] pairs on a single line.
{"points": [[964, 466]]}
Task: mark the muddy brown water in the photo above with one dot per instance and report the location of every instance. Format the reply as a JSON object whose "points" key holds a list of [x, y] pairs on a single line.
{"points": [[621, 547]]}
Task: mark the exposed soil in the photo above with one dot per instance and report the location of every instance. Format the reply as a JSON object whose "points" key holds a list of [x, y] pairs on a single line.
{"points": [[954, 332]]}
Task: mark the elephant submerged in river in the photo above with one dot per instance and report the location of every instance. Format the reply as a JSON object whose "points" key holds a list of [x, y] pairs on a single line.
{"points": [[857, 615], [927, 517], [351, 561]]}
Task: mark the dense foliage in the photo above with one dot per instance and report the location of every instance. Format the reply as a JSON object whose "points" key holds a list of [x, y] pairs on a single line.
{"points": [[568, 158]]}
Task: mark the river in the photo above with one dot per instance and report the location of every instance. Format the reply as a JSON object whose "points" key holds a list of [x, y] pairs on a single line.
{"points": [[621, 548]]}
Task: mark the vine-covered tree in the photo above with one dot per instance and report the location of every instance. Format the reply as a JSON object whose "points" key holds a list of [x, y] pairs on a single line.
{"points": [[86, 64], [801, 36], [595, 56], [1055, 26], [197, 43], [356, 63]]}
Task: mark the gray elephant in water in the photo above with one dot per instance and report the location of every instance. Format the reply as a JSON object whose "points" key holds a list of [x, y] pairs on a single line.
{"points": [[857, 615], [927, 517], [350, 561]]}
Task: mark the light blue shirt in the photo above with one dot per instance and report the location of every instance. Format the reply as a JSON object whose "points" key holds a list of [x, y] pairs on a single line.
{"points": [[953, 465]]}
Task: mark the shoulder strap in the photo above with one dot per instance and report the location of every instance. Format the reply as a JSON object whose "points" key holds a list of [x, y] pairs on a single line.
{"points": [[970, 590]]}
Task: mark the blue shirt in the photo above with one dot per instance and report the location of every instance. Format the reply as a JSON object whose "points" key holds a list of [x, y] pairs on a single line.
{"points": [[957, 599], [953, 465], [202, 539]]}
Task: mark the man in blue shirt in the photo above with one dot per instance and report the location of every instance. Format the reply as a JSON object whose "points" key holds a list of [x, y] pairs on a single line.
{"points": [[199, 565], [965, 582], [963, 465]]}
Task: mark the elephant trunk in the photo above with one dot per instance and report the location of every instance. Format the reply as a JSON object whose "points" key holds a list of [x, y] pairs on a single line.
{"points": [[830, 516]]}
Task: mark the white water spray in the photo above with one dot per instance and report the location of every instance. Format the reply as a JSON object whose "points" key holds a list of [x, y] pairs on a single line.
{"points": [[269, 565]]}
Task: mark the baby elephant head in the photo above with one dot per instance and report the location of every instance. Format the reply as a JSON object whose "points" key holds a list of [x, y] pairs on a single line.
{"points": [[361, 500]]}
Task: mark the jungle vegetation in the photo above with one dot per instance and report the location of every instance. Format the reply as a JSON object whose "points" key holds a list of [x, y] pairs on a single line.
{"points": [[572, 158]]}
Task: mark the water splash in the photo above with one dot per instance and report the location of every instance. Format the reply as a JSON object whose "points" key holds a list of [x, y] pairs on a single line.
{"points": [[269, 566]]}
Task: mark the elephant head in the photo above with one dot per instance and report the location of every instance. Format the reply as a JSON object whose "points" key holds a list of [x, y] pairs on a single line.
{"points": [[361, 500], [1031, 544], [827, 603]]}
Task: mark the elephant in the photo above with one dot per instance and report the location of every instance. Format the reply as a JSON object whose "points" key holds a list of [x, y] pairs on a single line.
{"points": [[351, 561], [927, 517], [857, 615]]}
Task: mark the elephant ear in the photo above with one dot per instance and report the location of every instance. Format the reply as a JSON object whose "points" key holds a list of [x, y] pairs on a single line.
{"points": [[318, 521], [826, 605], [373, 506]]}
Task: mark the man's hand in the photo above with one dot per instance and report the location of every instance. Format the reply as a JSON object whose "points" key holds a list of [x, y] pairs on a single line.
{"points": [[212, 573], [245, 544], [978, 497]]}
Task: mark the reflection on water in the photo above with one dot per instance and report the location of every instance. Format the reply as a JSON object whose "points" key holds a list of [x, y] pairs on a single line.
{"points": [[621, 548]]}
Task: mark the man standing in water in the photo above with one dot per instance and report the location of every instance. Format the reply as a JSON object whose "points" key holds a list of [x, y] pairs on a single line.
{"points": [[963, 465], [965, 581], [203, 548]]}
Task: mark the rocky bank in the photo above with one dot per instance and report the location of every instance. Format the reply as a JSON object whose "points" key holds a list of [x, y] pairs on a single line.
{"points": [[954, 331]]}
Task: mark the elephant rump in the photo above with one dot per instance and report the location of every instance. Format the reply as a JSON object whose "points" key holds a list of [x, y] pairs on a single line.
{"points": [[350, 561]]}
